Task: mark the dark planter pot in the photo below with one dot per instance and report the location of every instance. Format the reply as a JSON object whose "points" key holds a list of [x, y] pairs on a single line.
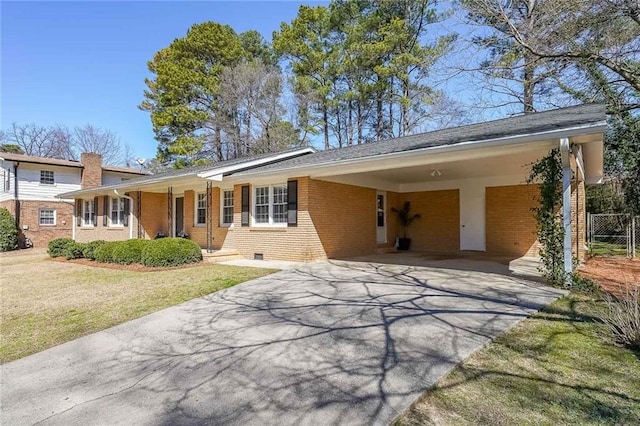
{"points": [[404, 243]]}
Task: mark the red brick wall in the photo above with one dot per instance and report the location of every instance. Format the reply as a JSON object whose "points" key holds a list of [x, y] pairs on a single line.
{"points": [[92, 172], [40, 235]]}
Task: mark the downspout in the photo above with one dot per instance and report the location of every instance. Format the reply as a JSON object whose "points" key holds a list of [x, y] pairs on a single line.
{"points": [[565, 153], [115, 191], [16, 201]]}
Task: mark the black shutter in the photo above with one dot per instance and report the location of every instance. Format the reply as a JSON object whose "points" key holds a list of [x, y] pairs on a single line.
{"points": [[95, 207], [78, 212], [105, 210], [245, 206], [292, 203], [125, 220]]}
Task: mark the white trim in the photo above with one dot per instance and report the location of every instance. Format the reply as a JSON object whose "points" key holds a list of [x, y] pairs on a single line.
{"points": [[131, 208], [565, 153], [195, 210], [110, 223], [55, 216], [218, 174], [83, 224], [224, 224], [270, 223]]}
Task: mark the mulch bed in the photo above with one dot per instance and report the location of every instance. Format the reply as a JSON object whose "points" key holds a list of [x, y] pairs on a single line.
{"points": [[614, 274], [134, 267]]}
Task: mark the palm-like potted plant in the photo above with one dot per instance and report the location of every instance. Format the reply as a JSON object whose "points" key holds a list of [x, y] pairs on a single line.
{"points": [[405, 219]]}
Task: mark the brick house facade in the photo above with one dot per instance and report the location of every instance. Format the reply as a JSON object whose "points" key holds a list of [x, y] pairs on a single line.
{"points": [[469, 185], [31, 186]]}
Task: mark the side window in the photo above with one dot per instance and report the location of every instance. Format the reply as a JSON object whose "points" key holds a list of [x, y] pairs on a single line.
{"points": [[227, 207], [47, 177], [201, 209], [47, 217]]}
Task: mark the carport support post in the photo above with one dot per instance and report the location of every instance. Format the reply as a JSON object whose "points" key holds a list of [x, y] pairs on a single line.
{"points": [[566, 207]]}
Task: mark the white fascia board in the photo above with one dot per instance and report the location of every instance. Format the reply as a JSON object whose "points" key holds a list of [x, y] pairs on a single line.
{"points": [[218, 173], [373, 162]]}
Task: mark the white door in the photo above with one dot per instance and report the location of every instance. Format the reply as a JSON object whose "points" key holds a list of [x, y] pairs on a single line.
{"points": [[381, 217], [472, 217]]}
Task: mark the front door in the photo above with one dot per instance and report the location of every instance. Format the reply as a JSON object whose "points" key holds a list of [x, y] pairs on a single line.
{"points": [[179, 222], [381, 217]]}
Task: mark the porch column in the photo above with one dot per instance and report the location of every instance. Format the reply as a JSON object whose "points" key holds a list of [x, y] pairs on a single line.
{"points": [[566, 206]]}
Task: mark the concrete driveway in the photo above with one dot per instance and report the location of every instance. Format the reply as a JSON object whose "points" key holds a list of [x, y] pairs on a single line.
{"points": [[326, 343]]}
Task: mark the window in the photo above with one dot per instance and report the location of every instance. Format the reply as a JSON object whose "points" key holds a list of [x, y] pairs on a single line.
{"points": [[117, 212], [6, 180], [46, 177], [227, 207], [270, 205], [201, 209], [47, 217], [88, 213]]}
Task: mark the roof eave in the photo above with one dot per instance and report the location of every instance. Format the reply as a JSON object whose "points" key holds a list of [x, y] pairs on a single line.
{"points": [[595, 127]]}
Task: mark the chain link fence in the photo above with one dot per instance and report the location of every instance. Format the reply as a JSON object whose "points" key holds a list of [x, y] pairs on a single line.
{"points": [[613, 235]]}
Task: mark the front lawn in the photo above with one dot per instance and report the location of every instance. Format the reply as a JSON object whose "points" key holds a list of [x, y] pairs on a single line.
{"points": [[554, 368], [46, 303]]}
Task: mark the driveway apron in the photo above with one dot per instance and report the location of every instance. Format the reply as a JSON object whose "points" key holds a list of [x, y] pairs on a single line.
{"points": [[325, 343]]}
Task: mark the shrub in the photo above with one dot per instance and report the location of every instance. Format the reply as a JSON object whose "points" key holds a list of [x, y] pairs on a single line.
{"points": [[171, 252], [622, 317], [58, 246], [104, 253], [8, 231], [74, 250], [128, 252], [90, 249], [583, 284]]}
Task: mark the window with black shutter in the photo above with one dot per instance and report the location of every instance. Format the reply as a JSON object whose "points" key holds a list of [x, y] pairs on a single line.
{"points": [[292, 203]]}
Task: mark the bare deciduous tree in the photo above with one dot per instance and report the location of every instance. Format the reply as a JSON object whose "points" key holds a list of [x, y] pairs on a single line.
{"points": [[100, 141]]}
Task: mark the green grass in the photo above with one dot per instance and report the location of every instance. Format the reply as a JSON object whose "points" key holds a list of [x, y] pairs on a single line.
{"points": [[67, 301], [607, 249], [557, 367]]}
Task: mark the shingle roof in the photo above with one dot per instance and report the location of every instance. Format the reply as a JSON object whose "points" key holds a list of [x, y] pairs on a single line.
{"points": [[125, 170], [22, 158], [520, 125], [39, 160], [181, 173]]}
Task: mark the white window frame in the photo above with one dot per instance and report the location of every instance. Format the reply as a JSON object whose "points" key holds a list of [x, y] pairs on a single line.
{"points": [[47, 210], [53, 177], [223, 206], [271, 222], [91, 211], [197, 207], [120, 222]]}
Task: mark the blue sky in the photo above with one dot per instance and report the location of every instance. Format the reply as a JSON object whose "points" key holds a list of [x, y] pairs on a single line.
{"points": [[74, 63]]}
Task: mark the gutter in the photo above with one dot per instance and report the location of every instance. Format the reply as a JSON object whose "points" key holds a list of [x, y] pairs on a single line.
{"points": [[115, 191]]}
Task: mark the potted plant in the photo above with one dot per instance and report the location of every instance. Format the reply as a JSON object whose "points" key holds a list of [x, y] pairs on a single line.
{"points": [[405, 219]]}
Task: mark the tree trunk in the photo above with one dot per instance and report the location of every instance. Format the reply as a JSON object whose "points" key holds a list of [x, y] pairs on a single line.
{"points": [[325, 123]]}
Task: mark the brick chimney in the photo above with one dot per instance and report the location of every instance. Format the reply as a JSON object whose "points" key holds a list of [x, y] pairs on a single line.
{"points": [[92, 173]]}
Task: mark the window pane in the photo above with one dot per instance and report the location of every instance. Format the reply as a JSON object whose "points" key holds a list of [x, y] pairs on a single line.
{"points": [[262, 205], [46, 177], [47, 217], [227, 207], [279, 204]]}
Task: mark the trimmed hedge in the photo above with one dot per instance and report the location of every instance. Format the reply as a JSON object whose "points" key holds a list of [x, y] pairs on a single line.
{"points": [[8, 231], [104, 253], [128, 252], [171, 252], [58, 247], [74, 250], [157, 253], [90, 249]]}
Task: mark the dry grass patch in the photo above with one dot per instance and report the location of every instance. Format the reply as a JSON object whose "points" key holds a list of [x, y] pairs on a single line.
{"points": [[46, 303], [554, 368]]}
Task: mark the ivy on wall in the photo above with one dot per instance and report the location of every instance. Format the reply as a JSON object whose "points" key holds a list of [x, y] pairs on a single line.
{"points": [[547, 173]]}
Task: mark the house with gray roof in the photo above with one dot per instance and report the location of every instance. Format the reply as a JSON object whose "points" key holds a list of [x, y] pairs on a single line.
{"points": [[468, 183]]}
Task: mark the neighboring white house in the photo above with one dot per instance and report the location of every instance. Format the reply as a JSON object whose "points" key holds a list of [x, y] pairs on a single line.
{"points": [[31, 184]]}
